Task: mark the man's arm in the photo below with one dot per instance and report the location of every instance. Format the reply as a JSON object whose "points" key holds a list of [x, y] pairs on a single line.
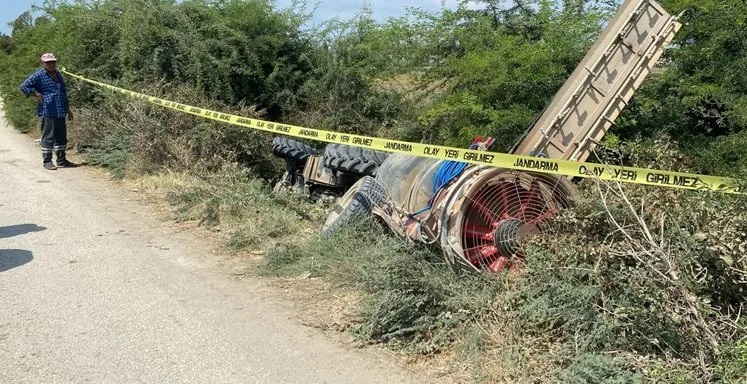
{"points": [[28, 87]]}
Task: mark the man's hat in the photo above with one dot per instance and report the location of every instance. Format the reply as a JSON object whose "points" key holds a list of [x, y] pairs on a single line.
{"points": [[48, 57]]}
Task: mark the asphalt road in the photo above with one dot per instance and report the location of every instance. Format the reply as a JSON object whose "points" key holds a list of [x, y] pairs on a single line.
{"points": [[95, 289]]}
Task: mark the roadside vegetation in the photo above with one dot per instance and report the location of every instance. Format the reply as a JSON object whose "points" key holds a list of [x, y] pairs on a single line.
{"points": [[634, 284]]}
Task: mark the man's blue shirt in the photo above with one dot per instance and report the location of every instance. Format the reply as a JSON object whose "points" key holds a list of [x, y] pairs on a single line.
{"points": [[53, 92]]}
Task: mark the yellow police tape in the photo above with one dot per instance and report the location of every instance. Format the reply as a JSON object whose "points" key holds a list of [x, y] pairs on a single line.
{"points": [[501, 160]]}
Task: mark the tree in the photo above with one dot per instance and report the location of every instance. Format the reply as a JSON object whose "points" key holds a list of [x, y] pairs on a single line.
{"points": [[7, 44], [699, 98]]}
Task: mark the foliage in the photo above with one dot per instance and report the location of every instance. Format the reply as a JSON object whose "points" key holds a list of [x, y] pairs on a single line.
{"points": [[498, 72], [651, 272], [732, 367], [341, 92], [233, 51], [699, 99], [133, 136], [410, 301]]}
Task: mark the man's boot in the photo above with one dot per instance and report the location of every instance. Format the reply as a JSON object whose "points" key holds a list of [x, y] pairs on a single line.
{"points": [[62, 161], [47, 159]]}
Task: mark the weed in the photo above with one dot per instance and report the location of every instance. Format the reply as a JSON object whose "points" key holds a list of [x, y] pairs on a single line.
{"points": [[598, 369], [732, 368], [410, 300], [113, 153]]}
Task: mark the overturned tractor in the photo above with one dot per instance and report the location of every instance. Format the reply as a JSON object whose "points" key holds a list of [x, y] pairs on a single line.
{"points": [[481, 215]]}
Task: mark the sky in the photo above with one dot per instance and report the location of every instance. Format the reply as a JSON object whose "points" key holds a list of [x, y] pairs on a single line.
{"points": [[344, 9]]}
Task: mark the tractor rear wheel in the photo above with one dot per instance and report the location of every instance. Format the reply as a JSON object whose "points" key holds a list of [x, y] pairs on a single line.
{"points": [[345, 158], [291, 149]]}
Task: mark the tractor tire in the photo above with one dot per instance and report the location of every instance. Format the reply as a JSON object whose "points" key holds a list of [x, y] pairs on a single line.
{"points": [[356, 204], [292, 149], [344, 158]]}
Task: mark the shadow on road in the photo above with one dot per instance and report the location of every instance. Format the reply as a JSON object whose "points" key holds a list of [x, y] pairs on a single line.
{"points": [[20, 229], [12, 258]]}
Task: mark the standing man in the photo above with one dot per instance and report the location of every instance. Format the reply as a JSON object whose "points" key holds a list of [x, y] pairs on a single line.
{"points": [[50, 91]]}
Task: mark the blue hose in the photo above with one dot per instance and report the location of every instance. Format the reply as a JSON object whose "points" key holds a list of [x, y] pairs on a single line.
{"points": [[447, 171]]}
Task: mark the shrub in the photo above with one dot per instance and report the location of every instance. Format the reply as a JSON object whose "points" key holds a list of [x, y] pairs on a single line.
{"points": [[410, 300]]}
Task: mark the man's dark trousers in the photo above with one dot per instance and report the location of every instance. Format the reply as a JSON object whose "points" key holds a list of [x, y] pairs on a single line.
{"points": [[54, 138]]}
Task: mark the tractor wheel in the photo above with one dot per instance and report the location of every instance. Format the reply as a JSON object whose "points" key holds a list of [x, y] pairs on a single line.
{"points": [[292, 149], [345, 158], [356, 204]]}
